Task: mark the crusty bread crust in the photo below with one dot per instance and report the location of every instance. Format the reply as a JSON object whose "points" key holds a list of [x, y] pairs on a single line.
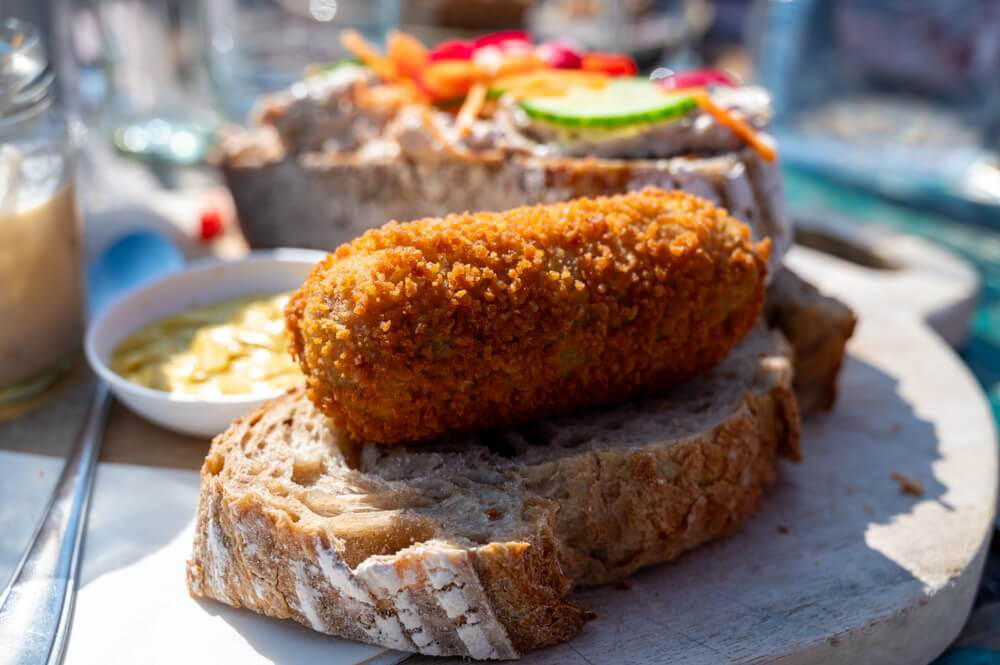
{"points": [[321, 200], [818, 327], [469, 547]]}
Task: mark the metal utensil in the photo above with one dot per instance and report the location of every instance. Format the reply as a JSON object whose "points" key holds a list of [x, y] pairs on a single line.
{"points": [[36, 608]]}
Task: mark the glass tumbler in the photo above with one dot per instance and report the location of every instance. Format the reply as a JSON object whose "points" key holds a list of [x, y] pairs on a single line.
{"points": [[259, 46], [40, 250]]}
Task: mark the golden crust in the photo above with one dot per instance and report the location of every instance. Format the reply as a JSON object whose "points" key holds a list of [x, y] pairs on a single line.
{"points": [[492, 319]]}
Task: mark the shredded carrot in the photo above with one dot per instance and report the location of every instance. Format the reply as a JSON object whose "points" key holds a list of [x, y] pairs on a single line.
{"points": [[740, 128], [447, 141], [386, 96], [471, 107], [367, 54], [387, 70], [415, 93], [406, 52], [452, 78], [358, 45]]}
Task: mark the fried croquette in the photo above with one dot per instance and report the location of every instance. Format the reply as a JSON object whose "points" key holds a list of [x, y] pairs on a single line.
{"points": [[493, 319]]}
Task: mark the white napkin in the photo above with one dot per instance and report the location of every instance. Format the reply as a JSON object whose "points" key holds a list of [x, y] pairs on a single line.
{"points": [[133, 606], [25, 484]]}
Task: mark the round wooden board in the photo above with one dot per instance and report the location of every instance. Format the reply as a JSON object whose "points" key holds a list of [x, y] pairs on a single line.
{"points": [[935, 285], [839, 565]]}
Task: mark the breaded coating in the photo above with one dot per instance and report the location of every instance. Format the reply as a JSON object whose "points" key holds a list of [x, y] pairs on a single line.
{"points": [[494, 319]]}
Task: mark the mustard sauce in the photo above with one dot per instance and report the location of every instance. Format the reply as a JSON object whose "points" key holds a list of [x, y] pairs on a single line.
{"points": [[235, 347]]}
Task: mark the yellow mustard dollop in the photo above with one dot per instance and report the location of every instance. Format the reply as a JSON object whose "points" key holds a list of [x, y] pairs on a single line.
{"points": [[234, 347]]}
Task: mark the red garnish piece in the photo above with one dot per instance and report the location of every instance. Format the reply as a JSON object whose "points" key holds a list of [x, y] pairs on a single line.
{"points": [[559, 55], [697, 78], [504, 39], [489, 57], [613, 64], [209, 224], [453, 49]]}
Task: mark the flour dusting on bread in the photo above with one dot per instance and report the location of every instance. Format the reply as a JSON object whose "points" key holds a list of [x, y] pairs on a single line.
{"points": [[469, 546]]}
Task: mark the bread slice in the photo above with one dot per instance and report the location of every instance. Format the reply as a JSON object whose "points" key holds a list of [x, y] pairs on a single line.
{"points": [[324, 161], [469, 546], [818, 327], [323, 199]]}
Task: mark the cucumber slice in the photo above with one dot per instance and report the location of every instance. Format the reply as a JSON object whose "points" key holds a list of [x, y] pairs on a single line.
{"points": [[619, 104]]}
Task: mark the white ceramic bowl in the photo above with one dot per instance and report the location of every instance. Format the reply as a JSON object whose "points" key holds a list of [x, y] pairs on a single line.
{"points": [[202, 282]]}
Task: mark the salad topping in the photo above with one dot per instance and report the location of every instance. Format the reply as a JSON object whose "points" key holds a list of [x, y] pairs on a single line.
{"points": [[550, 83]]}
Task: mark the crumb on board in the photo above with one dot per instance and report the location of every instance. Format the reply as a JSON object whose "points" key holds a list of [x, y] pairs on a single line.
{"points": [[783, 530], [897, 428], [623, 585], [906, 484]]}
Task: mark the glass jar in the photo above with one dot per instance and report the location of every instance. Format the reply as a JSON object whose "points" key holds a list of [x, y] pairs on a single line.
{"points": [[41, 313]]}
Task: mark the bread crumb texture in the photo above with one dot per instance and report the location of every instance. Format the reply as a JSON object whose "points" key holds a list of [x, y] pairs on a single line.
{"points": [[492, 319], [469, 545]]}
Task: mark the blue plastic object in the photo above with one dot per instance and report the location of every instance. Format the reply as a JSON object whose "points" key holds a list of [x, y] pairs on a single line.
{"points": [[134, 259]]}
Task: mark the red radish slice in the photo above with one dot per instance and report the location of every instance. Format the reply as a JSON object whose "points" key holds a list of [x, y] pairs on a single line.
{"points": [[559, 55], [613, 64], [696, 78], [453, 49], [489, 57], [514, 47], [502, 38]]}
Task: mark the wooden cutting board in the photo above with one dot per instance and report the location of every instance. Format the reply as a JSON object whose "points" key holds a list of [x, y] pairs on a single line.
{"points": [[839, 565], [876, 268]]}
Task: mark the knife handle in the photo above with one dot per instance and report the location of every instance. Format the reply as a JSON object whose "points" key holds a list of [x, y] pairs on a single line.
{"points": [[36, 608]]}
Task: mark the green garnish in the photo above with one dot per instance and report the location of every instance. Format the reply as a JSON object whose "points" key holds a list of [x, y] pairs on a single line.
{"points": [[320, 70], [621, 103]]}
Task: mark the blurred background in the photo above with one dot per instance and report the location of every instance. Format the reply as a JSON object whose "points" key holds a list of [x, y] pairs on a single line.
{"points": [[887, 112], [895, 95]]}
